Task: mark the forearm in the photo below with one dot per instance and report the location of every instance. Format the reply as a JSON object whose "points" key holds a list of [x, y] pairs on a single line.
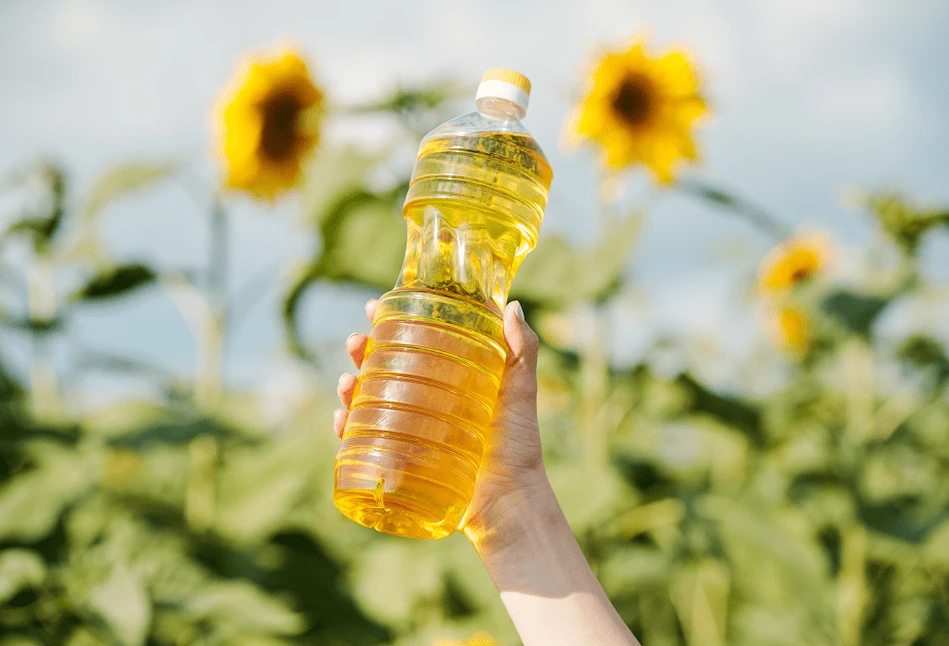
{"points": [[544, 580]]}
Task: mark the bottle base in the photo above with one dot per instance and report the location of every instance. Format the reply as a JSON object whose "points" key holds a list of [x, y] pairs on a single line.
{"points": [[396, 515]]}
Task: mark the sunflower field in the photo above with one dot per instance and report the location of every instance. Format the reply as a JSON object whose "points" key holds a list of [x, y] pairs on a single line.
{"points": [[805, 503]]}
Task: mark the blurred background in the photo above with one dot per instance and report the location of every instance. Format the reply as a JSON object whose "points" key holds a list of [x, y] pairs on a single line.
{"points": [[744, 368]]}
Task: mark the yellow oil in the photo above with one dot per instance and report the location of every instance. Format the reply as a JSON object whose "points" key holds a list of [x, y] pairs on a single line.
{"points": [[421, 413]]}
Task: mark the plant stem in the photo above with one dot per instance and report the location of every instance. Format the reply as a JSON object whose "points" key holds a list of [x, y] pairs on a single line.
{"points": [[41, 305], [200, 497], [594, 374], [211, 366], [747, 211]]}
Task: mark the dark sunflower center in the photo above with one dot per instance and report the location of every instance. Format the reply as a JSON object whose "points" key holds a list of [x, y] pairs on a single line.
{"points": [[634, 98], [800, 274], [278, 138]]}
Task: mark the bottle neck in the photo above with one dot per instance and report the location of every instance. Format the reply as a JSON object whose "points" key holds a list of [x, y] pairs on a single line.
{"points": [[497, 108]]}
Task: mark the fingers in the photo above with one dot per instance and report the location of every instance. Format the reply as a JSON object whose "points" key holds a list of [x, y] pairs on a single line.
{"points": [[356, 348], [345, 388], [516, 410], [339, 421], [371, 307], [521, 340], [518, 392]]}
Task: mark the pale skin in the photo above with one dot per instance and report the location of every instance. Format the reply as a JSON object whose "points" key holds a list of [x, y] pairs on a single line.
{"points": [[514, 521]]}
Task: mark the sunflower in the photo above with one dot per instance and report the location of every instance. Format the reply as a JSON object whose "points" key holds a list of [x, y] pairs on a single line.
{"points": [[641, 109], [478, 639], [793, 330], [793, 262], [266, 124]]}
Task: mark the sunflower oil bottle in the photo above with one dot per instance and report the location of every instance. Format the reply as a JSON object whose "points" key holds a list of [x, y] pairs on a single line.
{"points": [[421, 412]]}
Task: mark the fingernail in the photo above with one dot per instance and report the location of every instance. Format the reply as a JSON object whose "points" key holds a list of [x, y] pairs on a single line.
{"points": [[350, 338], [518, 311], [338, 414]]}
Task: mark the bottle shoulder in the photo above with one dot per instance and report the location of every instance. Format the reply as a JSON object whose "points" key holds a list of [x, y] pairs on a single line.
{"points": [[504, 139], [474, 122]]}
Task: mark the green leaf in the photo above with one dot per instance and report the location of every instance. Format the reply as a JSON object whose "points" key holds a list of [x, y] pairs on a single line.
{"points": [[363, 236], [899, 519], [19, 569], [905, 223], [556, 275], [364, 239], [306, 277], [573, 483], [124, 179], [34, 325], [773, 557], [259, 487], [139, 425], [731, 411], [117, 363], [857, 312], [390, 580], [41, 228], [83, 636], [19, 640], [405, 101], [242, 604], [124, 605], [32, 501], [112, 282], [634, 567], [333, 174]]}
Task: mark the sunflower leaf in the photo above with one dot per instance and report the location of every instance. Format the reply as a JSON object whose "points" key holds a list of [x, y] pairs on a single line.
{"points": [[34, 325], [291, 307], [899, 520], [363, 242], [124, 605], [857, 312], [333, 174], [558, 275], [32, 502], [905, 223], [364, 239], [19, 569], [43, 226], [243, 604], [731, 411], [115, 281], [123, 179]]}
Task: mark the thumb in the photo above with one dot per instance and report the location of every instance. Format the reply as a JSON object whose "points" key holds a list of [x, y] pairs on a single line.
{"points": [[519, 386]]}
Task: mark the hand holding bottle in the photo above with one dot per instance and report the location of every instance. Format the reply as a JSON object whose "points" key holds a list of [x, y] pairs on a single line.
{"points": [[514, 520]]}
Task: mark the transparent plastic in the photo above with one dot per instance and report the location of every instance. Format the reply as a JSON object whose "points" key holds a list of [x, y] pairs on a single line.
{"points": [[421, 412]]}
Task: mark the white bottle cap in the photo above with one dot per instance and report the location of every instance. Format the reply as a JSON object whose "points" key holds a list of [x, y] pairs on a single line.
{"points": [[506, 84]]}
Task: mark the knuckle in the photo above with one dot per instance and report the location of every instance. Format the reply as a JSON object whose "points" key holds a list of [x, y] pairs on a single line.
{"points": [[531, 343]]}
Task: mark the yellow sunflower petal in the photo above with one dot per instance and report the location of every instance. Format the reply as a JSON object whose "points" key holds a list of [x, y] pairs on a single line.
{"points": [[793, 262], [640, 110], [689, 110], [663, 157], [794, 330], [677, 75], [264, 124]]}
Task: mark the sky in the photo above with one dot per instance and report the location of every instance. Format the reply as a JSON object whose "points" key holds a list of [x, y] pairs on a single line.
{"points": [[809, 99]]}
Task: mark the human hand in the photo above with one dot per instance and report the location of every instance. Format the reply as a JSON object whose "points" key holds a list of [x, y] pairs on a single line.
{"points": [[512, 470], [514, 520]]}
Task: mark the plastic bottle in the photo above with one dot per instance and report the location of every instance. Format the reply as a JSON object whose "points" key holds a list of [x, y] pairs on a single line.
{"points": [[421, 412]]}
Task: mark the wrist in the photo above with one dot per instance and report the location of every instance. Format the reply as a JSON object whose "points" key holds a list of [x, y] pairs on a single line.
{"points": [[513, 514]]}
